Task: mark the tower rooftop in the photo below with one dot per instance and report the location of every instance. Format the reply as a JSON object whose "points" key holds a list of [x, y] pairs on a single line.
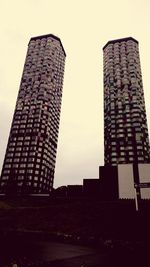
{"points": [[119, 41], [46, 36]]}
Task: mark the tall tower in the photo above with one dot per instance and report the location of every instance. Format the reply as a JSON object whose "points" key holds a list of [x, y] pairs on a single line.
{"points": [[30, 158], [125, 125]]}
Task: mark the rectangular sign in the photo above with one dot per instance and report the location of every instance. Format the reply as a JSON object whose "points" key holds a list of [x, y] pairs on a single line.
{"points": [[142, 185]]}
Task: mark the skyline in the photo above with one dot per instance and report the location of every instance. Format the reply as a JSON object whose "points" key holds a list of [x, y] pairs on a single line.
{"points": [[80, 143]]}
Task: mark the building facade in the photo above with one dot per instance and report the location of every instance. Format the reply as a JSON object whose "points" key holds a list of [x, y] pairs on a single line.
{"points": [[29, 163], [126, 137]]}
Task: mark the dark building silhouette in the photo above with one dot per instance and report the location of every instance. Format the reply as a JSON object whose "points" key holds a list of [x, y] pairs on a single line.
{"points": [[91, 187], [29, 163], [74, 190], [105, 187], [108, 177], [69, 191]]}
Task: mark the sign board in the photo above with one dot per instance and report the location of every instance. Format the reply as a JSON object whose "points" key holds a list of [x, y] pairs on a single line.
{"points": [[142, 185]]}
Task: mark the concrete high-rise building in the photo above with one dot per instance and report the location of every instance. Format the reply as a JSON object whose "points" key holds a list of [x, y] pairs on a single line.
{"points": [[29, 163], [126, 137]]}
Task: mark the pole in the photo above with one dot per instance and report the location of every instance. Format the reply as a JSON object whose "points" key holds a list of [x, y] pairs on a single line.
{"points": [[136, 200]]}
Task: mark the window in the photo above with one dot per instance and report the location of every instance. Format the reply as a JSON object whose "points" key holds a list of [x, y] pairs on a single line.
{"points": [[140, 158], [20, 138], [17, 154], [30, 165], [7, 165], [113, 153], [15, 165], [19, 143], [25, 154], [18, 148], [11, 149], [22, 165], [29, 171], [8, 160], [21, 171], [16, 159], [6, 171], [37, 166], [5, 177], [138, 136]]}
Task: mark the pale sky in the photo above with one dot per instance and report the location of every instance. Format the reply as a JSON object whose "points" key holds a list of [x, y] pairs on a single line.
{"points": [[84, 26]]}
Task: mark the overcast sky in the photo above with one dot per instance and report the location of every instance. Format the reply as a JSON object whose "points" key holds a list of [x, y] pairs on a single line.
{"points": [[84, 26]]}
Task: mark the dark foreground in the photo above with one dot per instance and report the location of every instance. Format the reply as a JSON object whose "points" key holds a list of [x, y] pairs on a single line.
{"points": [[74, 232], [25, 252]]}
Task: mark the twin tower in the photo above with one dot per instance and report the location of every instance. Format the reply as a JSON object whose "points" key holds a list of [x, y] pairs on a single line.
{"points": [[29, 163]]}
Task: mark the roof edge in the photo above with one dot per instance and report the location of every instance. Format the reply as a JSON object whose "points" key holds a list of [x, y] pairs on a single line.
{"points": [[46, 36], [120, 40]]}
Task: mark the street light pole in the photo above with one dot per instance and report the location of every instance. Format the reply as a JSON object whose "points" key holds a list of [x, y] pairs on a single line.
{"points": [[136, 198]]}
